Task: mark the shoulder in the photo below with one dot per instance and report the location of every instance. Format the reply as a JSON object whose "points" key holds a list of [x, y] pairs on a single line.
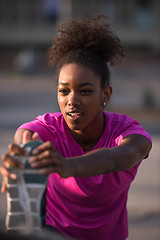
{"points": [[118, 118], [50, 118], [120, 125], [49, 122]]}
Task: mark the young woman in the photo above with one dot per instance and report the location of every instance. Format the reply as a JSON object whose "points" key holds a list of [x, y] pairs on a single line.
{"points": [[92, 155]]}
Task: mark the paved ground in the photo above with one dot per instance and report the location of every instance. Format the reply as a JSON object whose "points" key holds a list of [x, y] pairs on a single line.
{"points": [[24, 97], [144, 198]]}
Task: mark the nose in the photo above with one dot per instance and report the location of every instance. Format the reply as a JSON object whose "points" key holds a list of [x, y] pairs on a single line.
{"points": [[73, 99]]}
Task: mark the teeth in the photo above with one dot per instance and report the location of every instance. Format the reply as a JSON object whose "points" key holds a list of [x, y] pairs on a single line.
{"points": [[74, 114]]}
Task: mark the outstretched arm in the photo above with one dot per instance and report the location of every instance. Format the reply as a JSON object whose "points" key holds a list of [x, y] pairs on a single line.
{"points": [[132, 149]]}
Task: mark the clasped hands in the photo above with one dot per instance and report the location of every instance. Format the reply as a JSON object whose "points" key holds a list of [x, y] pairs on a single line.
{"points": [[46, 158]]}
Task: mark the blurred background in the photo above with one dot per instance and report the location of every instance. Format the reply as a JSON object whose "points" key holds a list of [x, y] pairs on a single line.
{"points": [[28, 85]]}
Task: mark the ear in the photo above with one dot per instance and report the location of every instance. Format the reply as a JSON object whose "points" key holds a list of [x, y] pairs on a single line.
{"points": [[107, 92]]}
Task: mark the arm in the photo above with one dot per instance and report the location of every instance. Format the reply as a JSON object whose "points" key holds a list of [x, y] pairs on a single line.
{"points": [[132, 149]]}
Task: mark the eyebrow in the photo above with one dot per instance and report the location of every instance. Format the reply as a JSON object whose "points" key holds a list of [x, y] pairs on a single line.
{"points": [[81, 85]]}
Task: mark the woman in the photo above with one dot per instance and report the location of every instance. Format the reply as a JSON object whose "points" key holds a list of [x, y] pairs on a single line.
{"points": [[92, 155]]}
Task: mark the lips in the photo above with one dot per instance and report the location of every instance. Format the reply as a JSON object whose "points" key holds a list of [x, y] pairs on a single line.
{"points": [[74, 115]]}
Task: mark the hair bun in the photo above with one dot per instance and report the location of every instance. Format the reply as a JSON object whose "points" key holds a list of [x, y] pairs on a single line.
{"points": [[93, 34]]}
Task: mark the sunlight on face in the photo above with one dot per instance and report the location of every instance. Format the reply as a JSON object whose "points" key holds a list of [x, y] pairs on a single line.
{"points": [[80, 96]]}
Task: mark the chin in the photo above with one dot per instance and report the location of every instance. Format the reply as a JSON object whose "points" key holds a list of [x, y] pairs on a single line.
{"points": [[74, 127]]}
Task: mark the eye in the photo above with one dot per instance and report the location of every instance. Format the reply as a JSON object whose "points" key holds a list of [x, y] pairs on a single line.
{"points": [[86, 91], [63, 91]]}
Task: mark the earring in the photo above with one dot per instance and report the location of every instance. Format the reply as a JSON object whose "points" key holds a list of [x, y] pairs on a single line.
{"points": [[104, 104]]}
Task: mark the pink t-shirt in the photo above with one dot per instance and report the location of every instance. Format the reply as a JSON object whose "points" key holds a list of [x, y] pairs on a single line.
{"points": [[88, 208]]}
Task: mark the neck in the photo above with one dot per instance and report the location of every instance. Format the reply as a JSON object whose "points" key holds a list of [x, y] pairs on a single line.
{"points": [[89, 137]]}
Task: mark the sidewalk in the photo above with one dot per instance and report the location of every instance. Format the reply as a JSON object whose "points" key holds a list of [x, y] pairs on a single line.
{"points": [[144, 198]]}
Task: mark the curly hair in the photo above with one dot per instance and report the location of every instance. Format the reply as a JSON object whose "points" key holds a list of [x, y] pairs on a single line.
{"points": [[87, 41]]}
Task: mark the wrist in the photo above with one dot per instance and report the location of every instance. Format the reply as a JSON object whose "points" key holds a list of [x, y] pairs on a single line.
{"points": [[69, 168]]}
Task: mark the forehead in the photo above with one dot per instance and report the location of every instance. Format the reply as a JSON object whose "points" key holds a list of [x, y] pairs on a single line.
{"points": [[77, 73]]}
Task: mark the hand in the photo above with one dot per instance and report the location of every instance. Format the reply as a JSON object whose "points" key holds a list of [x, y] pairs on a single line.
{"points": [[48, 159], [9, 160], [22, 136]]}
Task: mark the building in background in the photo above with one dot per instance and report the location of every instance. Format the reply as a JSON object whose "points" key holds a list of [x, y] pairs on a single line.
{"points": [[31, 24]]}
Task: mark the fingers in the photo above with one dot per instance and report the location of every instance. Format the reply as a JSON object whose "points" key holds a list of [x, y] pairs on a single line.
{"points": [[43, 147], [45, 155], [8, 160], [5, 173], [14, 148], [22, 136], [45, 159], [48, 157], [4, 185]]}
